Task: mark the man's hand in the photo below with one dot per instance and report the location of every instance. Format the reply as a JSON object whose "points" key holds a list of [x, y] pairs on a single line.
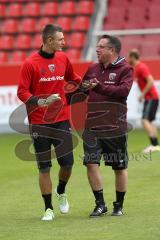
{"points": [[141, 98], [45, 102], [90, 84], [52, 98]]}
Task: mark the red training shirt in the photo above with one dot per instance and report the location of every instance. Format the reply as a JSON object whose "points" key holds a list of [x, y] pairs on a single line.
{"points": [[40, 76], [141, 73]]}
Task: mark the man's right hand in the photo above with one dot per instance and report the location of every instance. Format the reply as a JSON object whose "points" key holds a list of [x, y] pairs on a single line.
{"points": [[89, 84]]}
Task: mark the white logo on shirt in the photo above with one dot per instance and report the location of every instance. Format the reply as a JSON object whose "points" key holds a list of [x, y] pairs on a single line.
{"points": [[54, 78], [51, 67]]}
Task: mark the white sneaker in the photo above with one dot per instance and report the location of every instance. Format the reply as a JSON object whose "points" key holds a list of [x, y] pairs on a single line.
{"points": [[48, 215], [151, 148], [63, 203]]}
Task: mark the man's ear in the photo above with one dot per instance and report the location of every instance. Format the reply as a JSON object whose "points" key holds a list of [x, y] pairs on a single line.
{"points": [[49, 40]]}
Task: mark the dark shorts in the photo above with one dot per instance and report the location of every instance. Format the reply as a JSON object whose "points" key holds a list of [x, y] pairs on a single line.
{"points": [[113, 150], [57, 135], [150, 109]]}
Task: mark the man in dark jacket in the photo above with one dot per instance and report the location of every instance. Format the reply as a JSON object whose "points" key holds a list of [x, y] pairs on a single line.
{"points": [[109, 83]]}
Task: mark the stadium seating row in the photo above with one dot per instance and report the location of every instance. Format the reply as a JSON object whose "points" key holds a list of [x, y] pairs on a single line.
{"points": [[36, 9], [133, 16], [143, 43], [20, 56], [133, 3], [31, 25], [21, 22], [24, 41]]}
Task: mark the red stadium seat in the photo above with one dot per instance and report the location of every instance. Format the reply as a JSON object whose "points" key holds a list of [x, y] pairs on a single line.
{"points": [[3, 57], [37, 41], [147, 46], [154, 2], [81, 23], [130, 42], [2, 10], [149, 52], [65, 23], [154, 17], [110, 22], [50, 9], [136, 18], [15, 10], [85, 7], [73, 54], [28, 25], [23, 42], [6, 42], [18, 57], [137, 3], [67, 8], [77, 40], [32, 9], [10, 26], [42, 22], [118, 4]]}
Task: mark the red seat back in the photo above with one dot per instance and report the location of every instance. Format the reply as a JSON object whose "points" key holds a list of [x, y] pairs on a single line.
{"points": [[65, 23], [37, 41], [15, 10], [23, 42], [2, 10], [85, 7], [3, 57], [42, 22], [18, 57], [10, 26], [32, 9], [81, 23], [28, 25], [50, 9], [6, 42], [76, 40], [67, 8]]}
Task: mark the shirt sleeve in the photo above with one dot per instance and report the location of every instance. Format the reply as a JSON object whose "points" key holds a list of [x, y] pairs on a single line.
{"points": [[144, 71], [70, 74], [121, 90], [77, 95], [24, 82]]}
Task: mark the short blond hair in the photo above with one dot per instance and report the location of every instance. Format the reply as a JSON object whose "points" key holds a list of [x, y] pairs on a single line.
{"points": [[134, 53]]}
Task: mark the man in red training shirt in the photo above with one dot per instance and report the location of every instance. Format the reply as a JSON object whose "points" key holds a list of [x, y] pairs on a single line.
{"points": [[41, 87], [149, 95]]}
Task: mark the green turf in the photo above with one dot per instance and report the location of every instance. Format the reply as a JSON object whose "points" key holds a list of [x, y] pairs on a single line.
{"points": [[21, 205]]}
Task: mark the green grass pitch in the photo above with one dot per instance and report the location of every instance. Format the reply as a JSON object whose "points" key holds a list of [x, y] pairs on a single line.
{"points": [[21, 205]]}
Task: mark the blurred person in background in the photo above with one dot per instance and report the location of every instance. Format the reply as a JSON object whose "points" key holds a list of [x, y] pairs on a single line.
{"points": [[150, 97]]}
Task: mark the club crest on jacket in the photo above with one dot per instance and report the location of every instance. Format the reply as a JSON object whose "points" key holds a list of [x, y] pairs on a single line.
{"points": [[112, 76]]}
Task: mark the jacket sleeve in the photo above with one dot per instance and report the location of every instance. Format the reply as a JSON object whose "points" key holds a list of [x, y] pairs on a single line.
{"points": [[24, 82], [121, 90]]}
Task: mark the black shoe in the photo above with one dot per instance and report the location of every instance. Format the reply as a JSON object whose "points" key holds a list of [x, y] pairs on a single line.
{"points": [[99, 211], [117, 209]]}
